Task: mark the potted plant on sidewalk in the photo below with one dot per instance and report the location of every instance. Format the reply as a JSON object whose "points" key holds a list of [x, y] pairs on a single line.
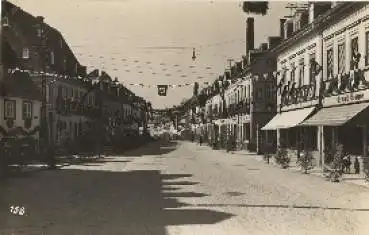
{"points": [[281, 157], [306, 161], [336, 169]]}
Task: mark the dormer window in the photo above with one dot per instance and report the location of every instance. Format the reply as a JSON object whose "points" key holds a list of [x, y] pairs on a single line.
{"points": [[25, 53], [39, 31], [65, 63], [52, 58], [5, 22]]}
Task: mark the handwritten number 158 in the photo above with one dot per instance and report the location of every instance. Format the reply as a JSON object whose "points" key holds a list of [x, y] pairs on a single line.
{"points": [[17, 210]]}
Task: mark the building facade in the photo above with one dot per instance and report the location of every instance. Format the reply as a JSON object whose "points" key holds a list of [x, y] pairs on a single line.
{"points": [[322, 82]]}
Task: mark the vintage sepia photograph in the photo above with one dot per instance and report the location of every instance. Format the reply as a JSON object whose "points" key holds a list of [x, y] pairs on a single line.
{"points": [[180, 117]]}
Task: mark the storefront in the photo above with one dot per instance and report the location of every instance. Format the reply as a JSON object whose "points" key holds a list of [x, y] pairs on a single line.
{"points": [[343, 119], [290, 135]]}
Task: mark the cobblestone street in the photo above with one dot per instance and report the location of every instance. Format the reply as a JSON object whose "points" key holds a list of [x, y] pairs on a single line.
{"points": [[181, 188]]}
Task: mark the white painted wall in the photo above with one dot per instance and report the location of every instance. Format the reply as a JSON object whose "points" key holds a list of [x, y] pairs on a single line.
{"points": [[19, 122]]}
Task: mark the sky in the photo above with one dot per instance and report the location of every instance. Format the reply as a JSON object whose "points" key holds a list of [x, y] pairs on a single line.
{"points": [[151, 41]]}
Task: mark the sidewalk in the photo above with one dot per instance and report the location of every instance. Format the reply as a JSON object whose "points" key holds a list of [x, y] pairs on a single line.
{"points": [[356, 179]]}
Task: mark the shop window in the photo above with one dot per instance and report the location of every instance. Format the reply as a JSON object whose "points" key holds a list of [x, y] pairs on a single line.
{"points": [[9, 109], [329, 63], [27, 110], [311, 141], [341, 58]]}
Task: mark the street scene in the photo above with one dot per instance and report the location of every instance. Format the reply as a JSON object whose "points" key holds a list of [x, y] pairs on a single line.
{"points": [[181, 188], [184, 117]]}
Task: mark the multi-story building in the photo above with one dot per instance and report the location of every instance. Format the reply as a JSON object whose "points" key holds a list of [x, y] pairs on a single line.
{"points": [[20, 102], [43, 53], [20, 105], [323, 90], [246, 100], [71, 109]]}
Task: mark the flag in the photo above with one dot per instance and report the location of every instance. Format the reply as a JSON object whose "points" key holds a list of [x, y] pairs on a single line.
{"points": [[162, 90], [255, 7]]}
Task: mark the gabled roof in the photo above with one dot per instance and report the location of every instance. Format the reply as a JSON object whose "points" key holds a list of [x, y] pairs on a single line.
{"points": [[22, 32], [19, 84]]}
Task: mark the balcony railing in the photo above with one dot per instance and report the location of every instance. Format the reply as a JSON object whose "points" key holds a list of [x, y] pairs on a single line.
{"points": [[344, 83], [73, 107], [297, 95]]}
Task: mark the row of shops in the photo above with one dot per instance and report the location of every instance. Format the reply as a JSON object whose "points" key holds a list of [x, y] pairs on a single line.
{"points": [[315, 98]]}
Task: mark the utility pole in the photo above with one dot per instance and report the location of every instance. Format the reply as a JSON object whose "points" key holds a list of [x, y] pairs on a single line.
{"points": [[45, 135]]}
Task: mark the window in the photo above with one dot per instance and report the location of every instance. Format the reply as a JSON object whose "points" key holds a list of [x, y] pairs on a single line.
{"points": [[39, 31], [367, 48], [293, 72], [5, 21], [260, 93], [329, 62], [268, 91], [27, 109], [52, 58], [25, 53], [65, 63], [354, 46], [302, 71], [311, 69], [64, 92], [9, 110], [341, 58]]}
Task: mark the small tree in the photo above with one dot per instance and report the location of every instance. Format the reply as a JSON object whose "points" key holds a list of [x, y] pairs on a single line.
{"points": [[337, 163], [306, 161], [282, 157]]}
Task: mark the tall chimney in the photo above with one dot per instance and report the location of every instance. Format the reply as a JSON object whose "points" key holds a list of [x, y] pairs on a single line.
{"points": [[40, 19], [249, 34], [281, 27]]}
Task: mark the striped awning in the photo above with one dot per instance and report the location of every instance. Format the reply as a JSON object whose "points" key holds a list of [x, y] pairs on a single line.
{"points": [[288, 119], [335, 116]]}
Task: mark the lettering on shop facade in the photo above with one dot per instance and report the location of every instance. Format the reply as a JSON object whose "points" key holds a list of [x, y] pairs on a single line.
{"points": [[349, 98]]}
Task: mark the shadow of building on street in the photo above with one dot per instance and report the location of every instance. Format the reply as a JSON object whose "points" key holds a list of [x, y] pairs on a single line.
{"points": [[99, 202], [155, 148]]}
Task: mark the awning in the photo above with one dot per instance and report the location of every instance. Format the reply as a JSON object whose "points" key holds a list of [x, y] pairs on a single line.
{"points": [[335, 116], [288, 119]]}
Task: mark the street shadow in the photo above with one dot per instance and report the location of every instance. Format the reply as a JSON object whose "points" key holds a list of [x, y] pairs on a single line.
{"points": [[99, 202], [282, 207], [154, 148], [89, 161]]}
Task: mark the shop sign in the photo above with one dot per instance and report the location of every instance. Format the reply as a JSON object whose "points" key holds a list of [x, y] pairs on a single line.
{"points": [[350, 98]]}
